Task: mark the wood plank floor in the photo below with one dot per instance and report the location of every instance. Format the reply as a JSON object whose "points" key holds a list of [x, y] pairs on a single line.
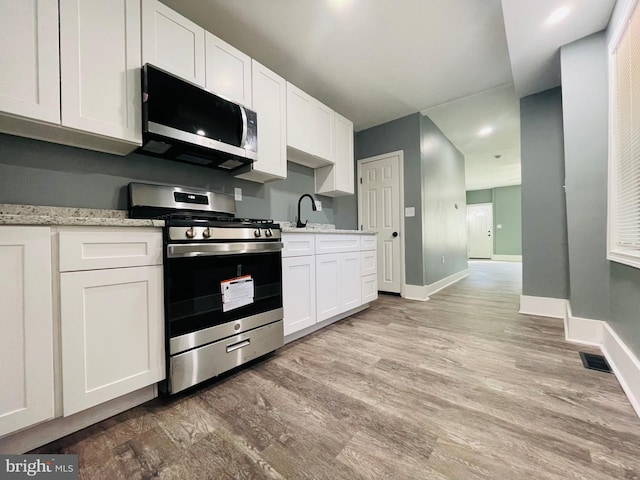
{"points": [[459, 387]]}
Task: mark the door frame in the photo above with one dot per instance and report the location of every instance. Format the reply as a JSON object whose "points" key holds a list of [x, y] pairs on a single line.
{"points": [[359, 163], [493, 233]]}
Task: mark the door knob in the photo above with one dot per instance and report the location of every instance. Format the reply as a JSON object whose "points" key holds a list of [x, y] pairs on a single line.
{"points": [[395, 234]]}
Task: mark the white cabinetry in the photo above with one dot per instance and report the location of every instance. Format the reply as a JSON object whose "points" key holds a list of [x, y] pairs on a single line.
{"points": [[309, 129], [111, 313], [172, 42], [338, 179], [228, 70], [369, 264], [29, 58], [26, 322], [99, 66], [298, 282], [81, 90], [270, 103]]}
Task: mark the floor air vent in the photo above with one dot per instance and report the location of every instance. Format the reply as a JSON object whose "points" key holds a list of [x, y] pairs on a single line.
{"points": [[595, 362]]}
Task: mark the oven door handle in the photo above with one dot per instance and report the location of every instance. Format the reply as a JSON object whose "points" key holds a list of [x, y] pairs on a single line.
{"points": [[213, 249]]}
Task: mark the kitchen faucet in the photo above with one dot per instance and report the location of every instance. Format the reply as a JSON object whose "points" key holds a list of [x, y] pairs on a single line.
{"points": [[300, 224]]}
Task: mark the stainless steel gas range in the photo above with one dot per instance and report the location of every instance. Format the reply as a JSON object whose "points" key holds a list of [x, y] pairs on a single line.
{"points": [[222, 282]]}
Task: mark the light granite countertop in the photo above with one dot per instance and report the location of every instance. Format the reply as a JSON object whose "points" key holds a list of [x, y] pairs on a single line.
{"points": [[289, 227], [11, 214]]}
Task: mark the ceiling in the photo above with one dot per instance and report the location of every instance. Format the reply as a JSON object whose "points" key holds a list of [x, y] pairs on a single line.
{"points": [[464, 63]]}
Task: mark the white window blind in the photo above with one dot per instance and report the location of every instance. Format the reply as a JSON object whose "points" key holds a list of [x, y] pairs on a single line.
{"points": [[624, 188]]}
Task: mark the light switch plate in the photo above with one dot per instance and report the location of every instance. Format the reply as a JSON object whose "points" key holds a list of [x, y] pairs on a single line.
{"points": [[410, 212], [499, 225], [237, 194]]}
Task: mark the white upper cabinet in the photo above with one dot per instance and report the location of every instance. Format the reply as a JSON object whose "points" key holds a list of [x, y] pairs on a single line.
{"points": [[309, 129], [270, 103], [228, 70], [26, 322], [100, 67], [338, 179], [29, 74], [172, 42]]}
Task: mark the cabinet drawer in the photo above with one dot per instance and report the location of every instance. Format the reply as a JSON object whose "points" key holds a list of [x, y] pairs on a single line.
{"points": [[368, 242], [337, 243], [369, 288], [298, 244], [369, 262], [83, 248]]}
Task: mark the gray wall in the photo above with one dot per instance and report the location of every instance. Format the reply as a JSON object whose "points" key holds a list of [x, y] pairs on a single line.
{"points": [[545, 262], [444, 209], [584, 104], [507, 211], [600, 289], [402, 134], [42, 173]]}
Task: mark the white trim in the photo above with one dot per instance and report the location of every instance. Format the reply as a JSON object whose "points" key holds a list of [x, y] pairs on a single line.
{"points": [[584, 331], [313, 328], [507, 258], [400, 155], [543, 306], [624, 363], [422, 292], [416, 292], [46, 432]]}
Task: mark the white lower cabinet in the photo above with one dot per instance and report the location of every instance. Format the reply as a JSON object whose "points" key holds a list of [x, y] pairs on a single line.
{"points": [[339, 281], [299, 293], [112, 339], [111, 310], [26, 323]]}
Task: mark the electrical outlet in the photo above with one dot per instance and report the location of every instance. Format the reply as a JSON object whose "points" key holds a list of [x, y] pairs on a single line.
{"points": [[237, 194], [318, 205], [443, 259]]}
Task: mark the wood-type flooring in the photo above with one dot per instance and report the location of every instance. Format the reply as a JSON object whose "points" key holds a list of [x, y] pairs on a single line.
{"points": [[458, 387]]}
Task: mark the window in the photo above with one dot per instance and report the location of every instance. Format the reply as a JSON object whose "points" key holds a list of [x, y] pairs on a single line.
{"points": [[624, 144]]}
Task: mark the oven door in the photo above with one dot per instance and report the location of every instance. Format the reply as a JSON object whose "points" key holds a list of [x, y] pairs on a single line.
{"points": [[196, 276]]}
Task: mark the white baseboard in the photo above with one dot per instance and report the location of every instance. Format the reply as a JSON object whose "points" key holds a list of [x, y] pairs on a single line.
{"points": [[422, 292], [624, 363], [584, 331], [34, 437], [543, 306], [416, 292], [507, 258]]}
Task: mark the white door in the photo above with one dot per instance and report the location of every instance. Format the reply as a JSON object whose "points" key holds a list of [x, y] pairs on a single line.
{"points": [[379, 210], [480, 228]]}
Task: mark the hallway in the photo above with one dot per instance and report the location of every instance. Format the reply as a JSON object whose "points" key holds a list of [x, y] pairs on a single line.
{"points": [[459, 387]]}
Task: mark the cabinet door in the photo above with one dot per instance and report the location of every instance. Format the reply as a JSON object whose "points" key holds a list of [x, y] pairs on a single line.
{"points": [[112, 334], [338, 179], [26, 323], [351, 278], [322, 131], [270, 103], [369, 288], [369, 262], [29, 55], [298, 293], [228, 70], [100, 64], [328, 286], [172, 42], [299, 108]]}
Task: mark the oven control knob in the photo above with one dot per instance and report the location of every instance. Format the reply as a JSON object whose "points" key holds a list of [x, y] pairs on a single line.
{"points": [[191, 232], [268, 232], [206, 233], [257, 232]]}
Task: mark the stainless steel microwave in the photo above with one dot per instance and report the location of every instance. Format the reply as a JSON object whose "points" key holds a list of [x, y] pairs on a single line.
{"points": [[184, 122]]}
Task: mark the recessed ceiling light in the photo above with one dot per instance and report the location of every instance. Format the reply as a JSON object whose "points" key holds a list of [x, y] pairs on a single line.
{"points": [[201, 132], [557, 15], [483, 132]]}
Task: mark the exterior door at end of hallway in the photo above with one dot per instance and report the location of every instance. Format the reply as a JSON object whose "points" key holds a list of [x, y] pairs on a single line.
{"points": [[379, 210], [480, 230]]}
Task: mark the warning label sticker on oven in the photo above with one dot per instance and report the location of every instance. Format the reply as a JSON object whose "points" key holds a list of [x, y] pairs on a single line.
{"points": [[236, 292]]}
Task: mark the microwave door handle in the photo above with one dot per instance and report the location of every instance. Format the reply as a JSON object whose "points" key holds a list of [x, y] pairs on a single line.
{"points": [[244, 126]]}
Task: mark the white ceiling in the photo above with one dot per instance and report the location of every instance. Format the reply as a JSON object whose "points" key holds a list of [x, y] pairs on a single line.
{"points": [[377, 60]]}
